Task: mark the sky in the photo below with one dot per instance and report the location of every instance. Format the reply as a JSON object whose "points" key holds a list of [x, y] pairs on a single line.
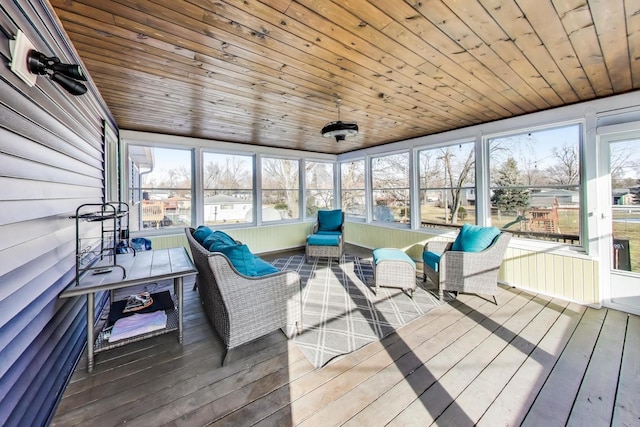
{"points": [[536, 147]]}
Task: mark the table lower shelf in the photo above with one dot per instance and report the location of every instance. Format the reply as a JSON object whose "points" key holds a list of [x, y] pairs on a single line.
{"points": [[102, 342]]}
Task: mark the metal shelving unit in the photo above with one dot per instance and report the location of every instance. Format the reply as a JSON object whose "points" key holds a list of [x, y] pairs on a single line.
{"points": [[114, 229]]}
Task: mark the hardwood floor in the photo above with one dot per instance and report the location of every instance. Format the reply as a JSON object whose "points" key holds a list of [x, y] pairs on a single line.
{"points": [[529, 360]]}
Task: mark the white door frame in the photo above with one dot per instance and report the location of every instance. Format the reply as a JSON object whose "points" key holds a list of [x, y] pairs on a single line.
{"points": [[605, 136]]}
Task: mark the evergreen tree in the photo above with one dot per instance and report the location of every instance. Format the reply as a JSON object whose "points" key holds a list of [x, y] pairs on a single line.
{"points": [[510, 196]]}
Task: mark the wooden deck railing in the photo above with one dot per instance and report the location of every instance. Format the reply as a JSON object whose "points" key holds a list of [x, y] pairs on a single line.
{"points": [[573, 239]]}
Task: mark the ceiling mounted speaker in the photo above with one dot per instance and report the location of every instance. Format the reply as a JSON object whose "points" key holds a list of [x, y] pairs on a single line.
{"points": [[339, 129]]}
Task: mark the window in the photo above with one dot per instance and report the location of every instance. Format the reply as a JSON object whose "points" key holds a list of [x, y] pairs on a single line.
{"points": [[162, 176], [280, 189], [624, 167], [447, 185], [319, 186], [228, 188], [352, 188], [390, 188], [535, 183]]}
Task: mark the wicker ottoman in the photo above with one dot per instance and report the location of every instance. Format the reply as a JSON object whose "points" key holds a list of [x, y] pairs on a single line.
{"points": [[323, 245], [394, 269]]}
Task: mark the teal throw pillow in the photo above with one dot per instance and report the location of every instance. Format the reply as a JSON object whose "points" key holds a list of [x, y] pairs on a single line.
{"points": [[330, 220], [217, 240], [201, 233], [457, 244], [212, 244], [224, 237], [241, 258], [474, 238]]}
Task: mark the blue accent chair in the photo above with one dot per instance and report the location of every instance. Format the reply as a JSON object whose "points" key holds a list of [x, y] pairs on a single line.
{"points": [[470, 264], [327, 239]]}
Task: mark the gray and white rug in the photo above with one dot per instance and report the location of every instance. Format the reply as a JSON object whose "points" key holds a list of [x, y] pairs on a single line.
{"points": [[341, 311]]}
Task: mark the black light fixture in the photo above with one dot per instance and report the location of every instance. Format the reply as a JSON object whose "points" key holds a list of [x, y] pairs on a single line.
{"points": [[66, 75], [339, 129]]}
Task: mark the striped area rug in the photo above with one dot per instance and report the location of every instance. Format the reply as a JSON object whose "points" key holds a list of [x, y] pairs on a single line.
{"points": [[341, 311]]}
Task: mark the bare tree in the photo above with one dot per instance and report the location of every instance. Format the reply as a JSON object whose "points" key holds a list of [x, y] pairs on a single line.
{"points": [[280, 173], [352, 177], [623, 162], [232, 175], [391, 177], [451, 171], [429, 169], [180, 176], [319, 175], [458, 174], [567, 169], [458, 179], [212, 175], [319, 186], [531, 174], [281, 177]]}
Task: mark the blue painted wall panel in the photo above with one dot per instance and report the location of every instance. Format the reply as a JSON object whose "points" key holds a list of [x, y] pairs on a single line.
{"points": [[51, 144]]}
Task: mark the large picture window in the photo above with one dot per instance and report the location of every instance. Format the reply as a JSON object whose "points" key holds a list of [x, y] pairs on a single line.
{"points": [[390, 188], [447, 185], [228, 188], [535, 183], [530, 185], [352, 188], [280, 189], [319, 186], [163, 179]]}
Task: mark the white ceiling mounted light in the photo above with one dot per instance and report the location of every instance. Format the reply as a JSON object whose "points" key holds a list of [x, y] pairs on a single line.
{"points": [[339, 129]]}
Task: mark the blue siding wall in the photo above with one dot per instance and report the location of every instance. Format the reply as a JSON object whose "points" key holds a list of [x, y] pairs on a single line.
{"points": [[51, 161]]}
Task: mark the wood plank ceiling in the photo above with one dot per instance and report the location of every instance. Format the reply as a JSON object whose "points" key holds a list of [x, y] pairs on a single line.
{"points": [[269, 72]]}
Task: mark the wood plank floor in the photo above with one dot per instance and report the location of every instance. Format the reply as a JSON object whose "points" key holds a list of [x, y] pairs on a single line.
{"points": [[529, 360]]}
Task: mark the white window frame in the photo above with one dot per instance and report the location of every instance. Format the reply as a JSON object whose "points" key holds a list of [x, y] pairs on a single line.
{"points": [[370, 190]]}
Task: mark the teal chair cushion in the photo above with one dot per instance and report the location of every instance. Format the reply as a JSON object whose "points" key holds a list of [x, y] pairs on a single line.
{"points": [[329, 233], [263, 267], [474, 238], [387, 254], [431, 259], [201, 233], [323, 240], [241, 258], [330, 220]]}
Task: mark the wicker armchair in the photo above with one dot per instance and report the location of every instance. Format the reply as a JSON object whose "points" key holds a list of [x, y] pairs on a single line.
{"points": [[243, 308], [315, 247], [467, 272]]}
